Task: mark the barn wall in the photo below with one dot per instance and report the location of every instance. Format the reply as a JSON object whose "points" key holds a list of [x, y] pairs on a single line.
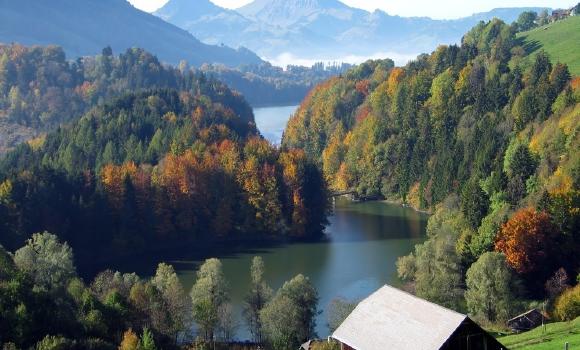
{"points": [[469, 336]]}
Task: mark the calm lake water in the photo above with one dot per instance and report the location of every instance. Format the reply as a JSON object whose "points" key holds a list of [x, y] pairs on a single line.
{"points": [[364, 241], [271, 121]]}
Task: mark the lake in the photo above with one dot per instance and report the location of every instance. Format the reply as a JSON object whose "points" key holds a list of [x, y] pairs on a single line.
{"points": [[271, 121], [364, 240]]}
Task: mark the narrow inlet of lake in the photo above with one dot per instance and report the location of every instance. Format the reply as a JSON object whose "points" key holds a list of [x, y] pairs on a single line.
{"points": [[271, 121]]}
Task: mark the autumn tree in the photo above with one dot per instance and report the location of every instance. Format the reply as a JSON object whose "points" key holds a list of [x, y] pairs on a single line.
{"points": [[395, 78], [114, 177], [333, 157], [526, 240], [567, 307], [130, 341], [260, 184]]}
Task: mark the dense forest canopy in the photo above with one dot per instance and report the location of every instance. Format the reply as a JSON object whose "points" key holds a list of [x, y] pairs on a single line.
{"points": [[487, 143], [159, 168], [40, 89]]}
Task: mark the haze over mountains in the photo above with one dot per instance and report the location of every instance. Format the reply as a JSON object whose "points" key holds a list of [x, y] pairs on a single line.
{"points": [[85, 27], [283, 31], [310, 29]]}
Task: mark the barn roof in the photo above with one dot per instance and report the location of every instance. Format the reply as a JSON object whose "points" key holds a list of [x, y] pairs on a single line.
{"points": [[393, 319], [526, 314]]}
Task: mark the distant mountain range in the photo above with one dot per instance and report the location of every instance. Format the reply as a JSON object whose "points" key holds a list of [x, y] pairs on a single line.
{"points": [[85, 27], [318, 29]]}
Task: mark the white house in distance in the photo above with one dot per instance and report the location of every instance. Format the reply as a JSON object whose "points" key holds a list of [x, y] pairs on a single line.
{"points": [[396, 320]]}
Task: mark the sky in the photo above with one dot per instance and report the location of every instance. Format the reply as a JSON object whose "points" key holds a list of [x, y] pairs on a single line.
{"points": [[440, 9]]}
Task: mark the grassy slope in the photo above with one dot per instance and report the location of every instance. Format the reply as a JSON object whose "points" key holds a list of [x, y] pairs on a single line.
{"points": [[556, 335], [561, 40]]}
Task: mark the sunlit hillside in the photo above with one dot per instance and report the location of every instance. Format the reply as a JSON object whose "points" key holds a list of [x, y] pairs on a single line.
{"points": [[560, 40]]}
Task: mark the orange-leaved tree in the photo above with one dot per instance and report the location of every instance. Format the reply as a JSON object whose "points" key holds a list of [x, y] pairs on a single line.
{"points": [[526, 239], [130, 341]]}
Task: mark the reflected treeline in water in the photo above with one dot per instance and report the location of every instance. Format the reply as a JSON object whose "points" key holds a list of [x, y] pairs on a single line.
{"points": [[364, 241]]}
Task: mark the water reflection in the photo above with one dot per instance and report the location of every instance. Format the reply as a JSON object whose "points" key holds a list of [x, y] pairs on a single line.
{"points": [[365, 239]]}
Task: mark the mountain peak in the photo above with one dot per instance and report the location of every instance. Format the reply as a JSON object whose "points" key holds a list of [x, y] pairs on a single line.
{"points": [[258, 5], [187, 9], [280, 12]]}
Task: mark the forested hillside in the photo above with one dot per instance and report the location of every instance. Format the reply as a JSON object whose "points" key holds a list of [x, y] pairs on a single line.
{"points": [[40, 89], [156, 169], [491, 148]]}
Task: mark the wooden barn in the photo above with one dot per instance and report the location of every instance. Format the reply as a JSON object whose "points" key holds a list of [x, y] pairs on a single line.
{"points": [[393, 319], [526, 321]]}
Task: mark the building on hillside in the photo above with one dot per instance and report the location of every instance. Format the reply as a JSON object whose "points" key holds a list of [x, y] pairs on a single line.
{"points": [[393, 319], [526, 321], [560, 14]]}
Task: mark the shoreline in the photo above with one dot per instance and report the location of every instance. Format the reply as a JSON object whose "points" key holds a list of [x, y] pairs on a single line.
{"points": [[389, 201], [399, 203], [264, 106]]}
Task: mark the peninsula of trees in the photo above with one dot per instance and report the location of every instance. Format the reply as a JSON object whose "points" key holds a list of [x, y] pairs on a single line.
{"points": [[154, 169]]}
